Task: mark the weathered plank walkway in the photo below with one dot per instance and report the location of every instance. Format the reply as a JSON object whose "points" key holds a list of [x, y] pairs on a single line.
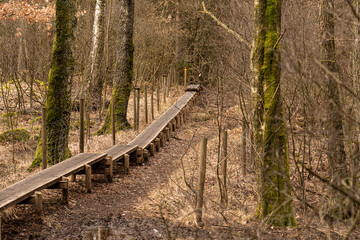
{"points": [[27, 190]]}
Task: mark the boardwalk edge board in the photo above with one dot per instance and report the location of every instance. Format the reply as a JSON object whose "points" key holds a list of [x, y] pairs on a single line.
{"points": [[146, 144]]}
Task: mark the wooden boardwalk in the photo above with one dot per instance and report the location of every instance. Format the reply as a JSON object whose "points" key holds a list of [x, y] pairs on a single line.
{"points": [[28, 190]]}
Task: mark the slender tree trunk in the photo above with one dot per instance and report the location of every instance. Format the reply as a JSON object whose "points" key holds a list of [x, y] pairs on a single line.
{"points": [[124, 68], [178, 49], [275, 201], [58, 100], [337, 169], [96, 56]]}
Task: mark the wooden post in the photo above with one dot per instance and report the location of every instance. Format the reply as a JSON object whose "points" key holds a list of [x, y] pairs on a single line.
{"points": [[64, 186], [185, 77], [113, 129], [157, 144], [126, 164], [201, 185], [146, 155], [146, 106], [158, 95], [224, 197], [139, 155], [164, 87], [0, 227], [82, 125], [38, 203], [152, 103], [138, 109], [102, 233], [168, 79], [43, 143], [135, 108], [152, 149], [167, 133], [109, 170], [161, 136], [88, 173], [73, 178], [243, 147]]}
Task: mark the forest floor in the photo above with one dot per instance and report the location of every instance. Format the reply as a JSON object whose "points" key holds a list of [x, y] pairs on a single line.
{"points": [[156, 200]]}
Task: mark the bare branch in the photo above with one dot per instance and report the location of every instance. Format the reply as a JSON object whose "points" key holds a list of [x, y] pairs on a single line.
{"points": [[238, 36]]}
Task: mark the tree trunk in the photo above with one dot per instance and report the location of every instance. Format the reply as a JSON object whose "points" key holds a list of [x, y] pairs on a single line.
{"points": [[178, 49], [58, 100], [337, 169], [275, 201], [96, 56], [124, 68]]}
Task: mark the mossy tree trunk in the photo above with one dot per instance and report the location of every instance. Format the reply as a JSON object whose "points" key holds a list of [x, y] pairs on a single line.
{"points": [[275, 201], [124, 69], [58, 100], [337, 169]]}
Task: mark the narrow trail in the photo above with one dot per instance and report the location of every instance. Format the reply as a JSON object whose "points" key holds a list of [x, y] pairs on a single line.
{"points": [[112, 205]]}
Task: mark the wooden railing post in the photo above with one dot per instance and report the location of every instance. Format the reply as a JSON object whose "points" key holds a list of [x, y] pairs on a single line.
{"points": [[152, 103], [201, 185], [113, 129], [185, 77], [82, 126], [146, 105], [158, 95], [43, 143], [126, 163], [138, 109], [135, 108], [88, 175], [164, 87]]}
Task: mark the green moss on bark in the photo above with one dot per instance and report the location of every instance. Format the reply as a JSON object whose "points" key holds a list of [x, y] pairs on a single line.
{"points": [[58, 100], [275, 202]]}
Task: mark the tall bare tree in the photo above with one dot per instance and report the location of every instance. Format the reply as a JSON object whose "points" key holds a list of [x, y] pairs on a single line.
{"points": [[275, 201], [337, 169]]}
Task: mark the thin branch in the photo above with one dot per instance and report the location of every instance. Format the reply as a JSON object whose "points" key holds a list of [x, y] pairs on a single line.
{"points": [[238, 36]]}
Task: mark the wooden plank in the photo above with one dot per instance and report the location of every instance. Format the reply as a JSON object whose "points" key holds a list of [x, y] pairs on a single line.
{"points": [[117, 152], [21, 190], [149, 134], [193, 87]]}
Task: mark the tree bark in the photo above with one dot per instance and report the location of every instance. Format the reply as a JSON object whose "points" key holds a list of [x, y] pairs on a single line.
{"points": [[337, 169], [94, 76], [270, 137], [58, 100], [124, 68]]}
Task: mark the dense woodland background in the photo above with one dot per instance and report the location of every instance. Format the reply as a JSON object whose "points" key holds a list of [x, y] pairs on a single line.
{"points": [[170, 35]]}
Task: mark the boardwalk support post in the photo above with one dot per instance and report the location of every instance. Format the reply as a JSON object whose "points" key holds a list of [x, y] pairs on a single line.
{"points": [[157, 144], [109, 169], [162, 142], [38, 203], [126, 164], [64, 185], [152, 149], [88, 173], [146, 154], [139, 155]]}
